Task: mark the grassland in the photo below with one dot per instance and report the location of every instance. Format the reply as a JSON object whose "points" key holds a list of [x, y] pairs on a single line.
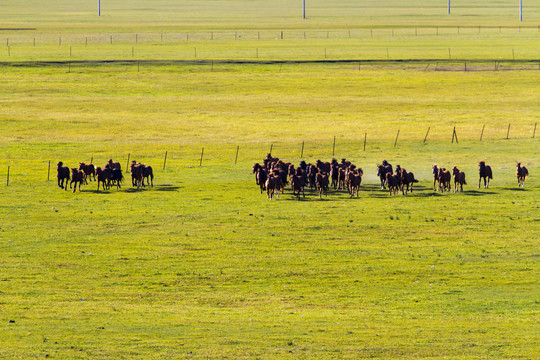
{"points": [[202, 265]]}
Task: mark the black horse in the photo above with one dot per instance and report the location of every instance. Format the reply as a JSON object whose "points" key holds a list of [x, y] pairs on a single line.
{"points": [[382, 170], [62, 174], [485, 173]]}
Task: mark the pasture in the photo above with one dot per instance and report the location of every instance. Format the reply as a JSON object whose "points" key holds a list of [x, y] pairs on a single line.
{"points": [[204, 266]]}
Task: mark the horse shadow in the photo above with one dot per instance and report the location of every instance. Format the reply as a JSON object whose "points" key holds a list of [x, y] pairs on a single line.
{"points": [[515, 189], [167, 187], [477, 193]]}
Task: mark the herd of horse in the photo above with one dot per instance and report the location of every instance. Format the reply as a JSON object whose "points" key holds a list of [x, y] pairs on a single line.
{"points": [[273, 175], [108, 176]]}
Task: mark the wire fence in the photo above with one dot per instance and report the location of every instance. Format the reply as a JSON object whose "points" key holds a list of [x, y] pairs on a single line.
{"points": [[28, 39], [208, 155]]}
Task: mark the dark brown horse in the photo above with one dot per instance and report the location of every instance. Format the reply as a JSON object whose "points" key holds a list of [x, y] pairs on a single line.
{"points": [[62, 174], [444, 180], [459, 178], [522, 173], [136, 174], [89, 171], [298, 183], [382, 170], [311, 175], [77, 177], [334, 174], [392, 181], [103, 177], [272, 186], [322, 182], [148, 174], [435, 171], [407, 181], [261, 176], [485, 173], [354, 179]]}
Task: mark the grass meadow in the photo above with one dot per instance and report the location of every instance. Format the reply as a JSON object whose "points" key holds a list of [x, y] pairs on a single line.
{"points": [[202, 265]]}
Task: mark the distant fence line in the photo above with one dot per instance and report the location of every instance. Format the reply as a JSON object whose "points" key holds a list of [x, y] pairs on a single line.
{"points": [[301, 148], [224, 35], [467, 65]]}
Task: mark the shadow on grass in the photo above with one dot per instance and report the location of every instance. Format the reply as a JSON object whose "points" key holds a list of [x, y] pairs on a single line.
{"points": [[167, 187], [515, 189], [477, 193]]}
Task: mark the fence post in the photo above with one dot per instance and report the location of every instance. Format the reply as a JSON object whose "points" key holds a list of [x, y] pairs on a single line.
{"points": [[425, 138], [236, 157], [508, 132], [365, 139], [7, 183], [202, 153], [271, 146], [334, 147], [395, 142], [49, 171], [302, 152], [127, 165], [454, 135], [482, 134], [534, 131], [165, 160]]}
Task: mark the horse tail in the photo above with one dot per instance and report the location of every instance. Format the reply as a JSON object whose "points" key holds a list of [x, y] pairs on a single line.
{"points": [[489, 172], [464, 181]]}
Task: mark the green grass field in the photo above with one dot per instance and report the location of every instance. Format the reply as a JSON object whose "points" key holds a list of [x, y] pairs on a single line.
{"points": [[202, 265]]}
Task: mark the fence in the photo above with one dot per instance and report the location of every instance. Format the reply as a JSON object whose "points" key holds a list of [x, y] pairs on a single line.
{"points": [[235, 151], [29, 39]]}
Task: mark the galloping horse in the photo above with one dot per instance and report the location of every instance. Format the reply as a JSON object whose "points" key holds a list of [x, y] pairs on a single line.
{"points": [[354, 179], [459, 178], [62, 174], [485, 173], [89, 171], [77, 176], [521, 173], [382, 170], [321, 180], [103, 177], [435, 171], [444, 179], [393, 183], [407, 179]]}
